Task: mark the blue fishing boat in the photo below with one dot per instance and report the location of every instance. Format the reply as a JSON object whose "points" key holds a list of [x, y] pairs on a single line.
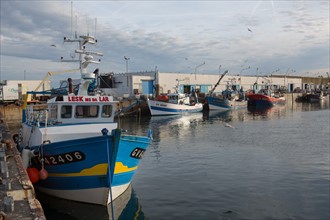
{"points": [[71, 146], [228, 99]]}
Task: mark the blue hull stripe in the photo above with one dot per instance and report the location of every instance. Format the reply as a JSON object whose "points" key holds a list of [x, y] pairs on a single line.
{"points": [[172, 110], [218, 102]]}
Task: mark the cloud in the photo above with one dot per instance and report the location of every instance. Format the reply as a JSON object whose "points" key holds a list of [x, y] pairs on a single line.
{"points": [[162, 34]]}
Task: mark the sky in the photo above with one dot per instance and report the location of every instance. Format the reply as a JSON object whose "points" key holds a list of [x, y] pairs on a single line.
{"points": [[244, 37]]}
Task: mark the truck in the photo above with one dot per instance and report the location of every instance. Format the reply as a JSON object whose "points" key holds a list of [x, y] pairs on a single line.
{"points": [[13, 91]]}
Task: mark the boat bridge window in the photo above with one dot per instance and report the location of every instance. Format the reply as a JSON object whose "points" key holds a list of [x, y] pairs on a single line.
{"points": [[106, 111], [173, 99], [53, 112], [86, 111], [66, 111]]}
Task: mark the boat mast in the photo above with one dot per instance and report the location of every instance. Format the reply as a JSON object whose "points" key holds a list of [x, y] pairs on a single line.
{"points": [[85, 58], [215, 86]]}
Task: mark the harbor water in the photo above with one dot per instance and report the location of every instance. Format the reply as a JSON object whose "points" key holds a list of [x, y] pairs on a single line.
{"points": [[243, 164]]}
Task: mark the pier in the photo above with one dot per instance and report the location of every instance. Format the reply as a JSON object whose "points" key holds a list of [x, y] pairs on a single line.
{"points": [[17, 195]]}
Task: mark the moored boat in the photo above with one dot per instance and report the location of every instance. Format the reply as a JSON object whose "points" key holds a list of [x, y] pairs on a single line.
{"points": [[259, 99], [228, 99], [73, 148], [177, 103], [312, 97], [265, 97], [223, 104]]}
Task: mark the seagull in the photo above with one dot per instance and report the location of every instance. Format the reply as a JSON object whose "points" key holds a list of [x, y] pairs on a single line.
{"points": [[229, 126], [249, 29], [53, 45]]}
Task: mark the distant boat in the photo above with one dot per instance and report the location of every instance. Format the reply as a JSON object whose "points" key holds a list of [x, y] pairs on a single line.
{"points": [[228, 99], [223, 104], [312, 97], [178, 103], [73, 149], [265, 97]]}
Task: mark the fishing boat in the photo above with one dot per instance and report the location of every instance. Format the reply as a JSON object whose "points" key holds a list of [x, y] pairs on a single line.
{"points": [[265, 98], [219, 102], [312, 97], [228, 99], [178, 103], [72, 147]]}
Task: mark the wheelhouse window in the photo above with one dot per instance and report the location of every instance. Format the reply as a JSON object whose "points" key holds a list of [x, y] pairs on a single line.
{"points": [[66, 111], [173, 99], [53, 112], [86, 111], [106, 111]]}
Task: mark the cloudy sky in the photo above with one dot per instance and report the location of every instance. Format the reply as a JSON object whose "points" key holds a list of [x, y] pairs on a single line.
{"points": [[247, 37]]}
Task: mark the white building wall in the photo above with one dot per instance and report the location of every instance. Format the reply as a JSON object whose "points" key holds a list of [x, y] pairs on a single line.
{"points": [[10, 88], [128, 83], [168, 81]]}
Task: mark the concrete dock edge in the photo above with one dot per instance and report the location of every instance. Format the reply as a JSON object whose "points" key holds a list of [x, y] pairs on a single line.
{"points": [[17, 194]]}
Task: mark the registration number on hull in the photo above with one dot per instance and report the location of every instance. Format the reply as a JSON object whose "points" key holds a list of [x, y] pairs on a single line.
{"points": [[69, 157], [137, 153]]}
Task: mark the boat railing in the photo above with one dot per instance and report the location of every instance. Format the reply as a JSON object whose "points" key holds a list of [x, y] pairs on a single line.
{"points": [[36, 114]]}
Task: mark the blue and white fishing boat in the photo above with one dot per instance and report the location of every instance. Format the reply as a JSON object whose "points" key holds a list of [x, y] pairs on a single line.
{"points": [[73, 145], [177, 103]]}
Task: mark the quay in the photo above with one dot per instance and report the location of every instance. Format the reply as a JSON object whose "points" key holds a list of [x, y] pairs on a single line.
{"points": [[17, 194]]}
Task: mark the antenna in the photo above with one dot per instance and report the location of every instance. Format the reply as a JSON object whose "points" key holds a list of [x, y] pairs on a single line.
{"points": [[95, 27], [71, 20], [87, 24], [75, 32]]}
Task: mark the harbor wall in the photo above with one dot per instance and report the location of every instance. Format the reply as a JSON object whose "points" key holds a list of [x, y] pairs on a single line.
{"points": [[17, 194]]}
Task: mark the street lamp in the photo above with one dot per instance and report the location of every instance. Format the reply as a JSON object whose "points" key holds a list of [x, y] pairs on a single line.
{"points": [[198, 67], [127, 59]]}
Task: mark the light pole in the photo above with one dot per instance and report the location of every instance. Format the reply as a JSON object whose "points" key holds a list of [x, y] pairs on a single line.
{"points": [[198, 67], [127, 59]]}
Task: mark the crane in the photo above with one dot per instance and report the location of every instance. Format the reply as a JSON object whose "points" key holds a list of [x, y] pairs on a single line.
{"points": [[53, 73]]}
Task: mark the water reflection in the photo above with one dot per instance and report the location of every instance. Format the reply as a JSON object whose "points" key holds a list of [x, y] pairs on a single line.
{"points": [[125, 207], [217, 116], [266, 113]]}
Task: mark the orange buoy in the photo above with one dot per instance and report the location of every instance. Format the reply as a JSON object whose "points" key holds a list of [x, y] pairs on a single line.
{"points": [[43, 174], [33, 174]]}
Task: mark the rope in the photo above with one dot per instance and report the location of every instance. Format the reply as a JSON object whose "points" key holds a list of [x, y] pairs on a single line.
{"points": [[110, 180], [46, 120]]}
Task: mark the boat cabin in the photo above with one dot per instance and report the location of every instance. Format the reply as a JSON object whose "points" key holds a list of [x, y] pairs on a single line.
{"points": [[178, 98], [73, 110], [182, 99]]}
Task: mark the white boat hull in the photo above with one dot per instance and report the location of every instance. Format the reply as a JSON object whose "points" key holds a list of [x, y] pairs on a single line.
{"points": [[165, 108], [98, 196]]}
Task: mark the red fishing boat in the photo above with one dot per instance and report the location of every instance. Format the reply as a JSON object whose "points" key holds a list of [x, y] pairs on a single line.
{"points": [[265, 97]]}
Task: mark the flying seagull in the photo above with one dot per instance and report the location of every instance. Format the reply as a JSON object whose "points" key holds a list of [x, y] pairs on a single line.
{"points": [[249, 29]]}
